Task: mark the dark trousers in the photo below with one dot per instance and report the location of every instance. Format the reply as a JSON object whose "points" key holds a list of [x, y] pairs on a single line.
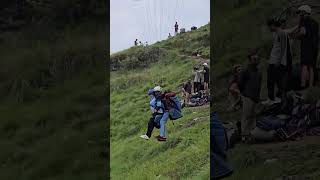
{"points": [[151, 126], [196, 86], [277, 76]]}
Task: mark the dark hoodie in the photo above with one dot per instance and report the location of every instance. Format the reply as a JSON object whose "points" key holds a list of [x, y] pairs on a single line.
{"points": [[250, 82]]}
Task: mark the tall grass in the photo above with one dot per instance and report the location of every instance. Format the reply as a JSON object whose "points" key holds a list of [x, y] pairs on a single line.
{"points": [[57, 130]]}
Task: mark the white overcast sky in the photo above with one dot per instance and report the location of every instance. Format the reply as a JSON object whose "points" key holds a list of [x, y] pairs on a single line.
{"points": [[152, 20]]}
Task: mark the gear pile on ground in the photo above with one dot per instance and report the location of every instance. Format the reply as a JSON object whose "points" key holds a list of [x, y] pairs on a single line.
{"points": [[198, 99], [295, 117]]}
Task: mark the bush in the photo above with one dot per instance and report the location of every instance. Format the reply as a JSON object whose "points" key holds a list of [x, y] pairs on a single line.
{"points": [[136, 58]]}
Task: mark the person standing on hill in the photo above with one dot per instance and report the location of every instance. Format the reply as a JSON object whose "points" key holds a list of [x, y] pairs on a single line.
{"points": [[176, 28], [136, 42], [197, 80], [169, 36], [250, 87], [206, 77], [140, 43], [279, 63], [308, 33], [186, 91]]}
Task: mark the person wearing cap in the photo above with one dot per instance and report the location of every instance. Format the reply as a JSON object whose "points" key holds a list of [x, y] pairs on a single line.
{"points": [[206, 77], [151, 123], [250, 86], [280, 62], [308, 33], [159, 114]]}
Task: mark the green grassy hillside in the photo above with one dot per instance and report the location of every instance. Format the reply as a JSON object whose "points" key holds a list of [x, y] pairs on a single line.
{"points": [[238, 27], [186, 153], [52, 97]]}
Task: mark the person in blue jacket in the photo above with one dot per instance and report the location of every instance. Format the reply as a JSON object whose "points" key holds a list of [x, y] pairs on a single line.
{"points": [[160, 115]]}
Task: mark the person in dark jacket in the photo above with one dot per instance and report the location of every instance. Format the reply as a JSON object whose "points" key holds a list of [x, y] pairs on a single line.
{"points": [[176, 28], [250, 87], [136, 42], [206, 76], [308, 33]]}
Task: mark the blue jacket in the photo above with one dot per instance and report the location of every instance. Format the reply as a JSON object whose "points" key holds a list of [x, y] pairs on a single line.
{"points": [[156, 105]]}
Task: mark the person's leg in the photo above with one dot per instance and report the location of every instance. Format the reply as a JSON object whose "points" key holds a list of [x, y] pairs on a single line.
{"points": [[196, 87], [311, 76], [270, 82], [233, 97], [150, 127], [188, 97], [231, 101], [163, 122], [279, 80], [304, 75], [184, 97], [285, 84], [206, 88], [252, 118], [248, 116]]}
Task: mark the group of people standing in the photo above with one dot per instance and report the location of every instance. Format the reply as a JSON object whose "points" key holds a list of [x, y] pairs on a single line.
{"points": [[280, 62], [245, 84], [200, 82]]}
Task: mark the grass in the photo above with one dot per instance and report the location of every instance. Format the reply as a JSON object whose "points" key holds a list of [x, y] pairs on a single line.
{"points": [[239, 28], [58, 132], [186, 153]]}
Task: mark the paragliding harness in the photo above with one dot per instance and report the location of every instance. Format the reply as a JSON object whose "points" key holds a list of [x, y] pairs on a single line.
{"points": [[173, 105]]}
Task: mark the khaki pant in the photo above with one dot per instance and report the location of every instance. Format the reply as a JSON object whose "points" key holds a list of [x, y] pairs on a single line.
{"points": [[248, 121], [186, 97]]}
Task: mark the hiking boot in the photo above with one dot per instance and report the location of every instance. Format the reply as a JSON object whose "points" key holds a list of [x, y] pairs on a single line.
{"points": [[160, 138], [145, 137]]}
